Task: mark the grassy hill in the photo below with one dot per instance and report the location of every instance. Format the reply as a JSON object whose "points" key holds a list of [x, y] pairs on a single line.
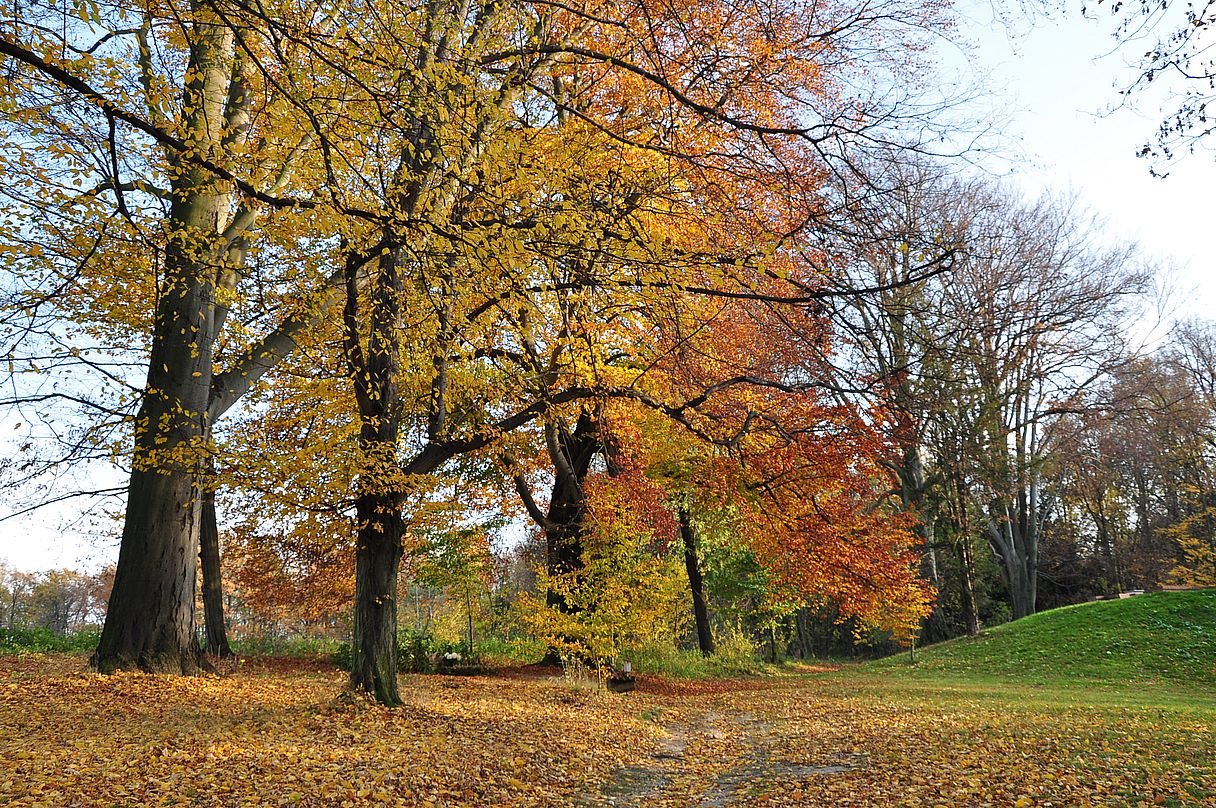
{"points": [[1162, 638]]}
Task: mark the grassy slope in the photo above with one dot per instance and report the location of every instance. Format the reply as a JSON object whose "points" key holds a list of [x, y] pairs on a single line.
{"points": [[1166, 638]]}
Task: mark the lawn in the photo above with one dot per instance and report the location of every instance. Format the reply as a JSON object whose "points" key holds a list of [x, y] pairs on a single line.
{"points": [[283, 736], [1163, 638]]}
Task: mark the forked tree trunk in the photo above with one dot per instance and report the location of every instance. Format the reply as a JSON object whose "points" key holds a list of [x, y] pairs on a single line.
{"points": [[149, 624], [377, 510], [566, 519], [216, 632], [696, 583]]}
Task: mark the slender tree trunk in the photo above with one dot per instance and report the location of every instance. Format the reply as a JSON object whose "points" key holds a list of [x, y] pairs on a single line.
{"points": [[696, 583], [966, 559], [213, 588], [966, 556], [468, 605], [805, 646]]}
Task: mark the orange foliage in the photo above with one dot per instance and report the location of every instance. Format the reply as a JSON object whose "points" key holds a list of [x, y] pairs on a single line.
{"points": [[768, 440]]}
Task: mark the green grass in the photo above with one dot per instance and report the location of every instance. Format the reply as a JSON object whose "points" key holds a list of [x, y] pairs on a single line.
{"points": [[1163, 639]]}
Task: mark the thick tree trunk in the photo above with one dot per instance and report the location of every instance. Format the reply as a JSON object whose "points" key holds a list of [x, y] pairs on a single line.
{"points": [[377, 506], [377, 561], [216, 632], [911, 474], [1022, 582], [1015, 543], [565, 521], [696, 583], [149, 625], [150, 621]]}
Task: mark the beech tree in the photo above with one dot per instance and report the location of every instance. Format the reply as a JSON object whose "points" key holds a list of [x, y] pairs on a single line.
{"points": [[400, 165], [573, 70], [162, 116]]}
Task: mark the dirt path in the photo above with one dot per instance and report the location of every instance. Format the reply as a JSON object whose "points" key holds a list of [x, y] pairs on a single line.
{"points": [[715, 759]]}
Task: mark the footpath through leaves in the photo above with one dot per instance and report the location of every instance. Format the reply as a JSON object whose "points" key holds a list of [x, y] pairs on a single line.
{"points": [[281, 738]]}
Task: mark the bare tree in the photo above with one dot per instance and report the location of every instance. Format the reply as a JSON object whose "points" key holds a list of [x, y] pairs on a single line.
{"points": [[978, 360], [1043, 310]]}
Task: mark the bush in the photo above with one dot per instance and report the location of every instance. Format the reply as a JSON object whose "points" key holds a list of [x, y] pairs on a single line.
{"points": [[417, 652], [343, 656], [735, 655], [43, 640], [503, 651]]}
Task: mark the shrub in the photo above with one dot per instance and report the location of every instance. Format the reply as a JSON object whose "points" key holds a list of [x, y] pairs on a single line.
{"points": [[273, 645], [417, 652], [43, 640]]}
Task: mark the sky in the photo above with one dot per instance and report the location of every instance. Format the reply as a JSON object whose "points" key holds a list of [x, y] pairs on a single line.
{"points": [[1056, 79], [1060, 78]]}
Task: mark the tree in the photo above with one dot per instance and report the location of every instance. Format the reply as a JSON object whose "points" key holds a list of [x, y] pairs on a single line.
{"points": [[416, 198], [572, 73], [980, 358], [1171, 39], [1044, 312], [165, 110], [903, 243], [696, 582]]}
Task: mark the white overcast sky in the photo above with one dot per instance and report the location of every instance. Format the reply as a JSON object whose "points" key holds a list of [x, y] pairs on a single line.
{"points": [[1057, 81]]}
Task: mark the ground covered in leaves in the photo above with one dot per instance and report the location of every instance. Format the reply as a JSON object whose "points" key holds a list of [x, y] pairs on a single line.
{"points": [[282, 736]]}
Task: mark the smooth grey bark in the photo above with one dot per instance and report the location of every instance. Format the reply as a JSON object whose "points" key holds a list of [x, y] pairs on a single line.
{"points": [[1015, 543]]}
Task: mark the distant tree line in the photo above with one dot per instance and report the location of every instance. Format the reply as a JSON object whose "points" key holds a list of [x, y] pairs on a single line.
{"points": [[59, 600]]}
